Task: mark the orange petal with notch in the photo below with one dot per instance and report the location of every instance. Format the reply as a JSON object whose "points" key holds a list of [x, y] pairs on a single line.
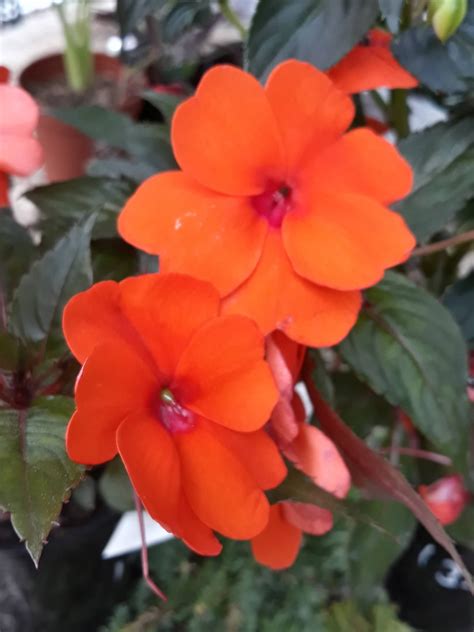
{"points": [[226, 136], [278, 545], [257, 452], [195, 533], [214, 237], [317, 456], [307, 313], [360, 162], [310, 110], [346, 242], [222, 375], [166, 310], [218, 487], [151, 460], [114, 382]]}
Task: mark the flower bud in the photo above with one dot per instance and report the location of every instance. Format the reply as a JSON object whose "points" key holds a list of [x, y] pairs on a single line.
{"points": [[446, 16]]}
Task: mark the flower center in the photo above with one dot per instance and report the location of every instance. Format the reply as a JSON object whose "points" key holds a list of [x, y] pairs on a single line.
{"points": [[173, 416], [273, 204]]}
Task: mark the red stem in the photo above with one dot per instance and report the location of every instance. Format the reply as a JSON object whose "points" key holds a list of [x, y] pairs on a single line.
{"points": [[144, 554]]}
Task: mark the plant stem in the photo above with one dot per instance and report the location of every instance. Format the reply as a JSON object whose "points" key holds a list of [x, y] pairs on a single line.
{"points": [[231, 17], [445, 243], [419, 454], [398, 110]]}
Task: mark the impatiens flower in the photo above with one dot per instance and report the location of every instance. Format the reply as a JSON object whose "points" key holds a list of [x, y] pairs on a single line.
{"points": [[181, 393], [446, 498], [278, 207], [20, 152], [371, 65]]}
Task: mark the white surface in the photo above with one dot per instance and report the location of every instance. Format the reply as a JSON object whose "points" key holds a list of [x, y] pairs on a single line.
{"points": [[126, 537]]}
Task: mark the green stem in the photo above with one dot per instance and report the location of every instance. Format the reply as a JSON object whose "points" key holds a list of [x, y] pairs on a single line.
{"points": [[398, 109], [78, 58], [231, 17]]}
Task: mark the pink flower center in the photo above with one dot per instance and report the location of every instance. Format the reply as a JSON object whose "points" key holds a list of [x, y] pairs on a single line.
{"points": [[172, 415], [273, 204]]}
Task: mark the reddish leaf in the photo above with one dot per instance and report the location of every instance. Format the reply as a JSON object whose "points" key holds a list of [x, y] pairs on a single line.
{"points": [[371, 471]]}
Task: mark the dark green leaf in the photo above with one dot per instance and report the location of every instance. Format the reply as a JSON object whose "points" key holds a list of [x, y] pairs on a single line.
{"points": [[9, 351], [459, 299], [371, 552], [115, 487], [164, 102], [318, 31], [442, 158], [131, 12], [462, 530], [445, 67], [35, 472], [16, 252], [116, 167], [345, 616], [390, 9], [63, 271], [113, 259], [148, 142], [62, 204], [409, 349], [183, 16]]}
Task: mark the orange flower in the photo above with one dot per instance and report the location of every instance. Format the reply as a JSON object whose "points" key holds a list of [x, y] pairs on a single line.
{"points": [[181, 394], [277, 207], [20, 153], [371, 65], [446, 497]]}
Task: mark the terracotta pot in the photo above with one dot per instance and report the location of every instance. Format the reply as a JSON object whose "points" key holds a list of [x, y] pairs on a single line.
{"points": [[67, 151]]}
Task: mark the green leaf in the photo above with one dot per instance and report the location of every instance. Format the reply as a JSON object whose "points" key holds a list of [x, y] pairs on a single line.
{"points": [[459, 299], [164, 102], [9, 351], [62, 204], [62, 272], [371, 552], [442, 158], [409, 349], [344, 616], [36, 475], [148, 142], [317, 31], [131, 12], [120, 168], [16, 252], [115, 487], [441, 67]]}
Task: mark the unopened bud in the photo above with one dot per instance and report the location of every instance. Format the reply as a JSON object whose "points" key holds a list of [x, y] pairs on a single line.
{"points": [[446, 16]]}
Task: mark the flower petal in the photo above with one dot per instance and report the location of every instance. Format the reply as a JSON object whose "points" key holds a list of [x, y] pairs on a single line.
{"points": [[257, 452], [93, 317], [20, 155], [317, 456], [310, 110], [226, 136], [114, 381], [19, 112], [278, 545], [371, 66], [309, 314], [166, 310], [309, 518], [195, 533], [222, 375], [360, 162], [218, 486], [214, 237], [151, 460], [345, 241]]}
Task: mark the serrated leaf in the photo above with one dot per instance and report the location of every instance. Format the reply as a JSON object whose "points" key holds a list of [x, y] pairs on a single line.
{"points": [[35, 472], [317, 31], [62, 204], [459, 299], [148, 142], [445, 67], [442, 158], [16, 252], [409, 349], [63, 271]]}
